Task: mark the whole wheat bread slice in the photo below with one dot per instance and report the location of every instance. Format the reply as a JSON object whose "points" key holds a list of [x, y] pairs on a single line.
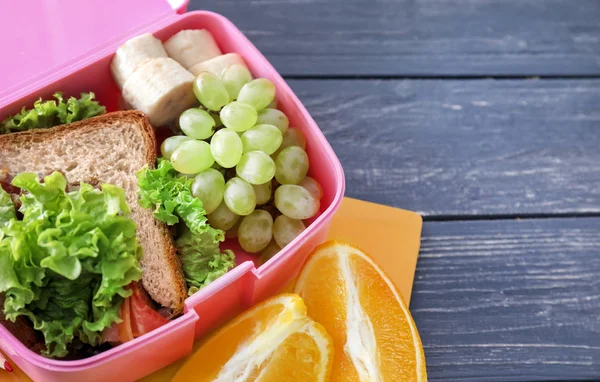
{"points": [[110, 148]]}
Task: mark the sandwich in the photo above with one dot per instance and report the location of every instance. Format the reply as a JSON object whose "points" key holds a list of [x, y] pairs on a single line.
{"points": [[97, 162]]}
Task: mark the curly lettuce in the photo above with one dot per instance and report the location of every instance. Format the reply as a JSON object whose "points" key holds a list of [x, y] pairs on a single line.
{"points": [[52, 113], [202, 260], [67, 263], [169, 195], [7, 209]]}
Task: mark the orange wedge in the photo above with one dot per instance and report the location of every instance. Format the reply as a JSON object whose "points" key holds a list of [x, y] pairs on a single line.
{"points": [[374, 335], [273, 341]]}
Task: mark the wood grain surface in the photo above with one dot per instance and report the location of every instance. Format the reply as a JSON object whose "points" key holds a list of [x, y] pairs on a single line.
{"points": [[464, 148], [401, 90], [509, 300], [421, 37]]}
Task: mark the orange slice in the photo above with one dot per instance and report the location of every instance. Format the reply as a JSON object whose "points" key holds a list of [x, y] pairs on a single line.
{"points": [[374, 335], [273, 341]]}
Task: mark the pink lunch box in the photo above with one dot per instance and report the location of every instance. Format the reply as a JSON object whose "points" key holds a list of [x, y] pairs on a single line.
{"points": [[76, 58]]}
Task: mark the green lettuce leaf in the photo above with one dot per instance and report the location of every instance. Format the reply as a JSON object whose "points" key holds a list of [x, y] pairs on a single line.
{"points": [[169, 195], [67, 263], [7, 209], [52, 113], [203, 262]]}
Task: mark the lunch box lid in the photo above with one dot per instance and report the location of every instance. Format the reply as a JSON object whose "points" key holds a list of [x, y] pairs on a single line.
{"points": [[43, 38]]}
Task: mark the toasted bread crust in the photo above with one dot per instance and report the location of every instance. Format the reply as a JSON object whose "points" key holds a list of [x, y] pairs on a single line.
{"points": [[153, 283], [41, 135]]}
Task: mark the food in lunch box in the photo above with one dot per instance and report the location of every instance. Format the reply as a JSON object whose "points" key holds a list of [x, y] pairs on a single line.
{"points": [[155, 78], [218, 64], [133, 54], [234, 77], [82, 177], [237, 168], [169, 195], [50, 113], [286, 229], [108, 149], [346, 322], [161, 89], [192, 46], [374, 335], [248, 166], [273, 341], [68, 261], [253, 179]]}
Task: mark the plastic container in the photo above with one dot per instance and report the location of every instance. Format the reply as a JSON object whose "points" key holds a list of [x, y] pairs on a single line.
{"points": [[243, 286]]}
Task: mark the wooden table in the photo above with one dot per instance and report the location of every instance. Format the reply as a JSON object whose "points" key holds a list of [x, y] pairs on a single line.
{"points": [[483, 116]]}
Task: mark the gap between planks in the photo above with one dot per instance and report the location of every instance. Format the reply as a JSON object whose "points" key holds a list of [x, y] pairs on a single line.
{"points": [[445, 218], [326, 77]]}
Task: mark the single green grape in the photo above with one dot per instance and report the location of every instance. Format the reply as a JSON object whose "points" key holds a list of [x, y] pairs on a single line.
{"points": [[257, 93], [171, 144], [192, 157], [210, 91], [273, 117], [265, 138], [255, 231], [239, 196], [197, 123], [238, 116], [209, 186], [292, 137], [312, 186], [291, 165], [296, 202], [255, 167], [234, 77], [222, 218], [226, 147], [263, 192], [286, 229]]}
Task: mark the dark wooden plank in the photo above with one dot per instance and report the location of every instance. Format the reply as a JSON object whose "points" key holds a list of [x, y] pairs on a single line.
{"points": [[479, 147], [510, 300], [421, 37]]}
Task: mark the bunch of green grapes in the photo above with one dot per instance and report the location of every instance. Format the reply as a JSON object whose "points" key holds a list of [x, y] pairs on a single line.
{"points": [[249, 166]]}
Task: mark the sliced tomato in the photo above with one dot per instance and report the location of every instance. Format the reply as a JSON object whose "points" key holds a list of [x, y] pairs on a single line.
{"points": [[144, 318], [138, 318], [125, 331], [120, 332]]}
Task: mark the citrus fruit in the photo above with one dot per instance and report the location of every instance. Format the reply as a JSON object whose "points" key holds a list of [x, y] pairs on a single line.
{"points": [[273, 341], [374, 335]]}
